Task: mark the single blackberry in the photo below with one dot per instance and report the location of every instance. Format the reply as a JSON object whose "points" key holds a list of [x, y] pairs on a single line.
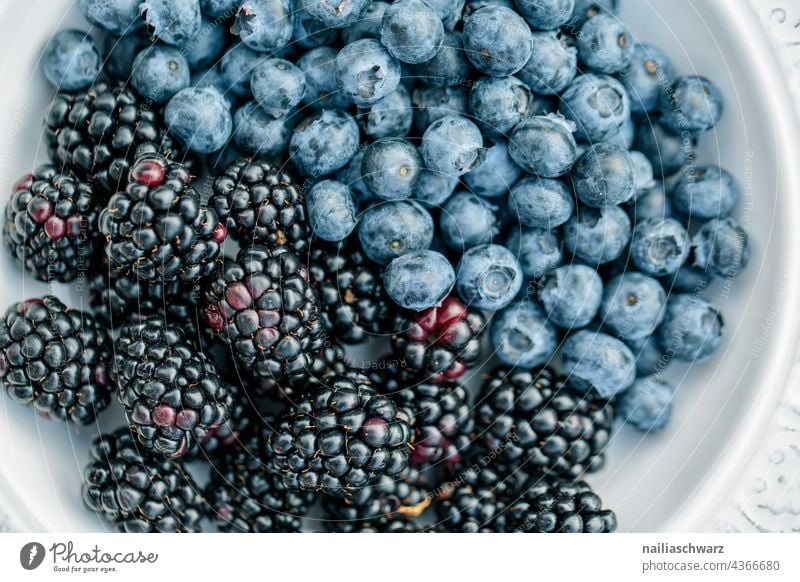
{"points": [[56, 359], [341, 437], [50, 225], [439, 343], [470, 508], [246, 496], [137, 491], [158, 229], [172, 395], [262, 305], [261, 204], [99, 133], [354, 305], [530, 418]]}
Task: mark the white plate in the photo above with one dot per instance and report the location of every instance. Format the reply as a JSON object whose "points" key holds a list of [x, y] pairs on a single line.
{"points": [[671, 481]]}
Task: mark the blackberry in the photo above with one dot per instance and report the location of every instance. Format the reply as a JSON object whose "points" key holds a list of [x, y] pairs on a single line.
{"points": [[137, 491], [470, 504], [241, 417], [245, 496], [331, 359], [263, 307], [99, 133], [341, 437], [50, 225], [172, 395], [158, 229], [56, 359], [528, 417], [350, 290], [261, 204], [440, 342]]}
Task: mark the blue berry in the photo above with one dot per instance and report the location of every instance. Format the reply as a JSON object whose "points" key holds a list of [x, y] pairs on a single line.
{"points": [[604, 44], [114, 16], [659, 246], [522, 337], [544, 145], [705, 192], [433, 103], [419, 280], [651, 203], [541, 202], [71, 60], [434, 188], [322, 86], [586, 9], [392, 229], [264, 25], [448, 10], [119, 52], [369, 25], [598, 104], [309, 33], [538, 250], [324, 142], [647, 405], [644, 176], [411, 31], [599, 362], [598, 235], [467, 221], [336, 13], [693, 104], [351, 175], [257, 132], [552, 66], [212, 79], [666, 151], [332, 212], [200, 119], [571, 295], [604, 176], [366, 72], [650, 358], [174, 22], [496, 174], [721, 247], [159, 72], [688, 279], [237, 66], [692, 328], [452, 145], [497, 40], [391, 168], [649, 71], [545, 14], [206, 48], [633, 305], [488, 277], [392, 116], [277, 86], [450, 66], [499, 104]]}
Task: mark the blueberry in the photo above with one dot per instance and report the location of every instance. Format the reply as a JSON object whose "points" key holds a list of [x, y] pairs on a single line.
{"points": [[500, 103], [552, 66], [571, 295], [433, 103], [264, 25], [392, 229], [693, 104], [71, 60], [114, 16], [277, 86], [369, 25], [541, 202], [647, 405], [206, 48], [649, 71], [497, 41], [448, 10], [586, 9], [324, 142], [449, 67], [705, 192], [433, 188], [217, 8], [659, 246], [633, 305], [598, 235], [366, 72], [644, 176], [544, 145], [309, 33], [412, 31], [688, 279], [538, 250], [598, 104], [336, 13], [545, 14], [200, 119], [692, 328], [419, 280], [652, 203], [467, 221], [391, 168], [322, 86], [172, 21], [666, 151], [650, 358], [488, 277], [351, 175], [604, 176], [452, 145], [599, 362], [472, 6], [392, 116], [212, 79], [604, 44], [721, 247], [331, 210], [522, 337], [257, 132], [237, 66], [119, 52], [160, 71], [496, 174]]}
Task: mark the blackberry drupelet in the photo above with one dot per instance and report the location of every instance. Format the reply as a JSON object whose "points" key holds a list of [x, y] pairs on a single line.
{"points": [[354, 304], [341, 437], [263, 307], [530, 418], [137, 491], [56, 359], [261, 204], [172, 395], [158, 229], [50, 225], [440, 343], [99, 133]]}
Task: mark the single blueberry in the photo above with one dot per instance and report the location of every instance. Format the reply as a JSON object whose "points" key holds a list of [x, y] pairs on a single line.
{"points": [[199, 117], [586, 9], [721, 247], [472, 6], [496, 174], [115, 16], [433, 188], [522, 337], [544, 145], [160, 71], [217, 8], [206, 48], [336, 13], [633, 305], [322, 86], [659, 246], [433, 103], [687, 279], [705, 192], [419, 280], [369, 25], [331, 210], [666, 151], [650, 358], [546, 14], [277, 86], [604, 44], [449, 67], [366, 72], [264, 25], [237, 66], [598, 104], [452, 145], [599, 362], [541, 202], [552, 66], [391, 229], [497, 40], [488, 277], [71, 60], [351, 175], [466, 221], [391, 168], [571, 295], [412, 31], [647, 405], [651, 203], [499, 104], [539, 250], [309, 33], [598, 235], [449, 11], [324, 142], [648, 73], [119, 52], [257, 132], [604, 176], [212, 79], [392, 116], [692, 328], [693, 104], [644, 177], [172, 21]]}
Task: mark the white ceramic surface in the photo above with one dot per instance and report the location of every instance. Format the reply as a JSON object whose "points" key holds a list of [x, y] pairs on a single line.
{"points": [[675, 480]]}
